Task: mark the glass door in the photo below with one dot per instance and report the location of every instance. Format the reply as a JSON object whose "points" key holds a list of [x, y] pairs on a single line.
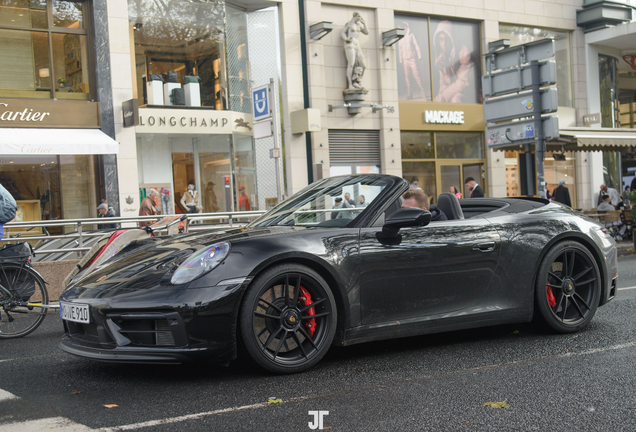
{"points": [[476, 171]]}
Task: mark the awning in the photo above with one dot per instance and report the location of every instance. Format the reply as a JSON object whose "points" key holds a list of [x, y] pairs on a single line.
{"points": [[37, 142], [588, 139], [585, 139]]}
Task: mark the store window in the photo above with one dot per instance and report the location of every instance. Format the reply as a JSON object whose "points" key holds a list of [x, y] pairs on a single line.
{"points": [[169, 162], [435, 161], [51, 187], [44, 49], [439, 60], [519, 35], [554, 171], [187, 38]]}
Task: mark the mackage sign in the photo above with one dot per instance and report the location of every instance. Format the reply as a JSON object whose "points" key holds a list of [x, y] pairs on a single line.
{"points": [[29, 113], [186, 121], [446, 117]]}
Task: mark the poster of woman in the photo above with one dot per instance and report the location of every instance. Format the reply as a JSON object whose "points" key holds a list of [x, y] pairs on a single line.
{"points": [[455, 58]]}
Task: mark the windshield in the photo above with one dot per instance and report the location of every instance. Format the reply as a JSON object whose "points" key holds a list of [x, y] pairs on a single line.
{"points": [[332, 202]]}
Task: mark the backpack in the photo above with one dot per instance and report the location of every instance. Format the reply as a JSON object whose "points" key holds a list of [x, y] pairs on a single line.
{"points": [[8, 206]]}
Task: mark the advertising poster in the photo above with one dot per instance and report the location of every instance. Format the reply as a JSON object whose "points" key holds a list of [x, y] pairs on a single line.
{"points": [[456, 61], [413, 67]]}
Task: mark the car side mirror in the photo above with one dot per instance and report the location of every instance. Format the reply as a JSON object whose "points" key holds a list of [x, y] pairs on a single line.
{"points": [[405, 217]]}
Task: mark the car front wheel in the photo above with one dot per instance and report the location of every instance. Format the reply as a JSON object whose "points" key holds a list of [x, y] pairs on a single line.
{"points": [[568, 288], [288, 319]]}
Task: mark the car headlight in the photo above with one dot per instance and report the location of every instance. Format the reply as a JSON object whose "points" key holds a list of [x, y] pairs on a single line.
{"points": [[199, 263]]}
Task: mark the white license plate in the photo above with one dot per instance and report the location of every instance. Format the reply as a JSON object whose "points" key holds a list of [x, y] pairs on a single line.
{"points": [[75, 312]]}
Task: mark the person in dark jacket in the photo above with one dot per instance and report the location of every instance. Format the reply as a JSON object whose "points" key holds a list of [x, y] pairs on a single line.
{"points": [[473, 187], [104, 212], [417, 198], [562, 194]]}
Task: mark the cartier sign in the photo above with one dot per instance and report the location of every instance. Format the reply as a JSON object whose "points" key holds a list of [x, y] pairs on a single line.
{"points": [[33, 113]]}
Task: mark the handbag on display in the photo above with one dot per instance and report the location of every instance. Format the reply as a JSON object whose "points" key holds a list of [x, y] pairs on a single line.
{"points": [[177, 97], [192, 79], [172, 77], [156, 77]]}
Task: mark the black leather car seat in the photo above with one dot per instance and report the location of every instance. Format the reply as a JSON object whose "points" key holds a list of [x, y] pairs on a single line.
{"points": [[449, 204]]}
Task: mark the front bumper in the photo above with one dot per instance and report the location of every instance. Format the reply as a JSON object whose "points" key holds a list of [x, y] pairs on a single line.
{"points": [[156, 326]]}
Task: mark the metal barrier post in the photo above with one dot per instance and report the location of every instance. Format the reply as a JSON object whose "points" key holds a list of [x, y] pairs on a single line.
{"points": [[81, 239]]}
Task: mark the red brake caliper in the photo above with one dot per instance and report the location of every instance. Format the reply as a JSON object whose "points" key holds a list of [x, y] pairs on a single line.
{"points": [[306, 301], [551, 299]]}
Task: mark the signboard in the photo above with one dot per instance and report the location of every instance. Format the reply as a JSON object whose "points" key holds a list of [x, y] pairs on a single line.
{"points": [[521, 54], [513, 80], [447, 117], [520, 105], [45, 113], [591, 119], [130, 111], [260, 103], [274, 153], [263, 129], [520, 132], [193, 121]]}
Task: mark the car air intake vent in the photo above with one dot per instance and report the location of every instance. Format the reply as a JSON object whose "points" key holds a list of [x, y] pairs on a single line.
{"points": [[147, 329], [164, 333]]}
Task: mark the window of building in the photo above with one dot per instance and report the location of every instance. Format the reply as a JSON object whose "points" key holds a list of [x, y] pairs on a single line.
{"points": [[435, 161], [554, 172], [563, 54], [52, 187], [44, 49], [439, 60], [187, 38]]}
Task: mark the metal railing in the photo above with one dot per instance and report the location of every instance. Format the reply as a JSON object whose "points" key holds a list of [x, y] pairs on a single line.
{"points": [[81, 238]]}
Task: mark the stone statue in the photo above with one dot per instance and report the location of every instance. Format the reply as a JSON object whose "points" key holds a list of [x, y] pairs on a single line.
{"points": [[356, 63]]}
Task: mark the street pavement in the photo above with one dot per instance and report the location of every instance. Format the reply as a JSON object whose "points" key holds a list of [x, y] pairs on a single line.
{"points": [[583, 381]]}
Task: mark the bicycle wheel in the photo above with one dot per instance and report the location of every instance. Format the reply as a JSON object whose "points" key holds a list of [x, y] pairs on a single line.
{"points": [[22, 294]]}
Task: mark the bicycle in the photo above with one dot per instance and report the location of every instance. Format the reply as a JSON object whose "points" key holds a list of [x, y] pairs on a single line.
{"points": [[23, 296]]}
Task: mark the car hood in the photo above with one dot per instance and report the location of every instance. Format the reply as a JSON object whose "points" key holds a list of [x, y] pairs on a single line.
{"points": [[149, 263]]}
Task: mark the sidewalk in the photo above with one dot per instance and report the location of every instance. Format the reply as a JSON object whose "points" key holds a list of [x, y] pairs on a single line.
{"points": [[625, 247]]}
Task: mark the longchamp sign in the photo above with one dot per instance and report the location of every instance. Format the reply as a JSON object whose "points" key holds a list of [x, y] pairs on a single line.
{"points": [[193, 121], [33, 113]]}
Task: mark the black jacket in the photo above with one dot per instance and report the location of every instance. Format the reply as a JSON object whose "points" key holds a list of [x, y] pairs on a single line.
{"points": [[478, 192], [562, 195], [107, 226], [437, 215]]}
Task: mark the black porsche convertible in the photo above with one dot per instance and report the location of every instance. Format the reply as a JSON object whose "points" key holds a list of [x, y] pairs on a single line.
{"points": [[318, 270]]}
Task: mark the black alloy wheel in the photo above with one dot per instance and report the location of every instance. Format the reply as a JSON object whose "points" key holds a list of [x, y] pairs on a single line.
{"points": [[288, 319], [568, 288]]}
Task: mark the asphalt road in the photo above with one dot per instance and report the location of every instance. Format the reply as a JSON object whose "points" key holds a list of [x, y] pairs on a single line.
{"points": [[583, 381]]}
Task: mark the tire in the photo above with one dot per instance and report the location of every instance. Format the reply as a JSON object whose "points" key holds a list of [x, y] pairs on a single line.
{"points": [[275, 324], [568, 288], [20, 296]]}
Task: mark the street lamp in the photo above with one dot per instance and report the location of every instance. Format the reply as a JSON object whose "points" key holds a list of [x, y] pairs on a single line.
{"points": [[320, 30], [392, 36]]}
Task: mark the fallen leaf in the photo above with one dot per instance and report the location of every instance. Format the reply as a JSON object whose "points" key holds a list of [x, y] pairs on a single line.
{"points": [[274, 400], [497, 404], [111, 406], [76, 392]]}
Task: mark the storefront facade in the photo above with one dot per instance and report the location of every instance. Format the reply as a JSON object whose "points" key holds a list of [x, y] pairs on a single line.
{"points": [[54, 144]]}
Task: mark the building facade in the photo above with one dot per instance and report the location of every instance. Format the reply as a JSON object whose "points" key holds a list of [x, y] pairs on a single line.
{"points": [[105, 99]]}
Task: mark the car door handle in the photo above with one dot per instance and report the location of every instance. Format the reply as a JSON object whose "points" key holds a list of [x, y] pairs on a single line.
{"points": [[484, 247]]}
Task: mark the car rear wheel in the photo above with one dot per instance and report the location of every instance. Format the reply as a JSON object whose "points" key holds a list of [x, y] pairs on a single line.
{"points": [[288, 319], [568, 288]]}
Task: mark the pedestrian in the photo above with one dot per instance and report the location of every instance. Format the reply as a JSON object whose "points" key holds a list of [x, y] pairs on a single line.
{"points": [[414, 183], [562, 194], [615, 197], [626, 199], [473, 187], [104, 212], [148, 206], [348, 199], [455, 191], [8, 208]]}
